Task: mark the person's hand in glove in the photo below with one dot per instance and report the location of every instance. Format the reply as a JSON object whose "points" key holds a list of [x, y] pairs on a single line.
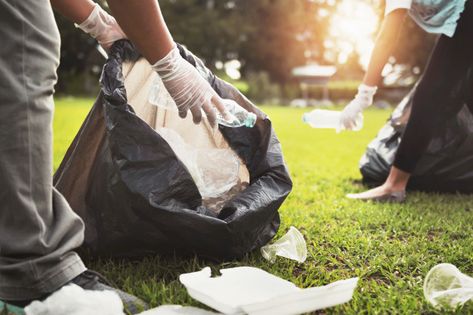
{"points": [[353, 112], [190, 91], [103, 27]]}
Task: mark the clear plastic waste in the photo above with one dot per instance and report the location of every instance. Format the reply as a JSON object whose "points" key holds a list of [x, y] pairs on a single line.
{"points": [[322, 118], [236, 116], [214, 171], [292, 246], [445, 286], [74, 300]]}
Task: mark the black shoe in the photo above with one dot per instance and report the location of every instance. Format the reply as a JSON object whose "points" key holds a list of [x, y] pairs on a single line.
{"points": [[91, 280]]}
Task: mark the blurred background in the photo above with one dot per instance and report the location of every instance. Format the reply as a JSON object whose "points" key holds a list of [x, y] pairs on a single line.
{"points": [[278, 52]]}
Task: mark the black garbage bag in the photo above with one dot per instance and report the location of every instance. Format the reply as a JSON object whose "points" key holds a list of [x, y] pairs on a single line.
{"points": [[137, 198], [447, 165]]}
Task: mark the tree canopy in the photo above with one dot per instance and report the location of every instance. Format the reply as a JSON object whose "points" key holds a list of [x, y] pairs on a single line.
{"points": [[265, 35]]}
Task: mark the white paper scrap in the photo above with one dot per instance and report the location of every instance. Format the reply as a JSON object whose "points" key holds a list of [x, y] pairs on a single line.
{"points": [[249, 290]]}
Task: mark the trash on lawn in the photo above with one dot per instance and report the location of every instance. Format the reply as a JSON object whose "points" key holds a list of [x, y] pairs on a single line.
{"points": [[177, 310], [446, 286], [292, 246], [249, 290], [73, 300]]}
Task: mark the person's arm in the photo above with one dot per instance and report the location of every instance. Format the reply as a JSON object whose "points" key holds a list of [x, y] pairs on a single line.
{"points": [[385, 43], [144, 25], [76, 11], [92, 19]]}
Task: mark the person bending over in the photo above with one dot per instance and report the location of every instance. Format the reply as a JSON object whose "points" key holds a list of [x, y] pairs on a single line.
{"points": [[448, 64]]}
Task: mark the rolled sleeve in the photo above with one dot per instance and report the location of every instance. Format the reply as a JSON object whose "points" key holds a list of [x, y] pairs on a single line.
{"points": [[392, 5]]}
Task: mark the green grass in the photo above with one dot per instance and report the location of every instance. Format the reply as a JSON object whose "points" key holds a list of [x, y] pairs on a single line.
{"points": [[390, 247]]}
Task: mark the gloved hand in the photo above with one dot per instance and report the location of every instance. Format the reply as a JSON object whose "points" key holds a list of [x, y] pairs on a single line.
{"points": [[353, 112], [188, 88], [103, 27]]}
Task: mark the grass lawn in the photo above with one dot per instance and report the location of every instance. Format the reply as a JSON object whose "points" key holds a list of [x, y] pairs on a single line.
{"points": [[389, 247]]}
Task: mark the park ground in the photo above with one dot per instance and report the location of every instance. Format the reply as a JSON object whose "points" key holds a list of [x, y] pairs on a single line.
{"points": [[389, 247]]}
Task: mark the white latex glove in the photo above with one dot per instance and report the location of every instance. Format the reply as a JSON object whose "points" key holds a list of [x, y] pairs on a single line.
{"points": [[103, 27], [188, 88], [353, 112]]}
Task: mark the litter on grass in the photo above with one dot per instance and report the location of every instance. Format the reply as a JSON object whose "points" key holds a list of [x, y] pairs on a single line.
{"points": [[249, 290], [73, 300], [445, 286], [242, 290], [292, 246]]}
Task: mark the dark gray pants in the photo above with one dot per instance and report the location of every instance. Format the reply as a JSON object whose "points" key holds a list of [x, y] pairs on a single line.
{"points": [[38, 230]]}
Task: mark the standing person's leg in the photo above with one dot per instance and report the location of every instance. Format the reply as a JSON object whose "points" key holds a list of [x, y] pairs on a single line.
{"points": [[448, 65], [38, 230]]}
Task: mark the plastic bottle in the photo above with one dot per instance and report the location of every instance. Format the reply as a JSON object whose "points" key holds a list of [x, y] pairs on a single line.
{"points": [[322, 118], [235, 117]]}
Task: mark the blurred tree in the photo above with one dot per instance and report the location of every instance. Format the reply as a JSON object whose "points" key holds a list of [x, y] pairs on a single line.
{"points": [[271, 36], [351, 69], [283, 34], [211, 29]]}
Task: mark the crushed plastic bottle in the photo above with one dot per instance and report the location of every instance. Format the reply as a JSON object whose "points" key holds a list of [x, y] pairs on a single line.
{"points": [[236, 116], [292, 246], [446, 286], [322, 118]]}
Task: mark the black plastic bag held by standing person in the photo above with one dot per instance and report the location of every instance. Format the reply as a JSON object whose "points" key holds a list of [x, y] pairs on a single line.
{"points": [[447, 165], [137, 198]]}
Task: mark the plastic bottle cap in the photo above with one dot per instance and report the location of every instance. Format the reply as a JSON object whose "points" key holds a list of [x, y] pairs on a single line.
{"points": [[250, 120]]}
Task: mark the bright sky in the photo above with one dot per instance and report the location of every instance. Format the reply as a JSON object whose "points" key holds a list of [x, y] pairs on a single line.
{"points": [[353, 28]]}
